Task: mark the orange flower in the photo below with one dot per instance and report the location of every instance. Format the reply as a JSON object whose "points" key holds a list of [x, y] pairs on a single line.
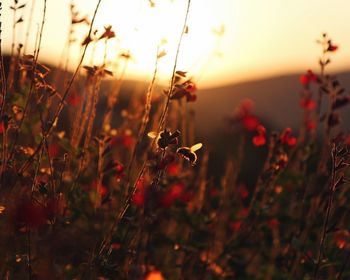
{"points": [[154, 275]]}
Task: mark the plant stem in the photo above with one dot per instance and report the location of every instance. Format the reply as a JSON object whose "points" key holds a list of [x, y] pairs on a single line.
{"points": [[328, 212]]}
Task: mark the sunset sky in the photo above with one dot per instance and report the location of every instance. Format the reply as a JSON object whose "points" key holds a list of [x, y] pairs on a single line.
{"points": [[261, 38]]}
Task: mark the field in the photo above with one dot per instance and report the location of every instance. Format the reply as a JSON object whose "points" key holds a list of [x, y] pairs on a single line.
{"points": [[99, 184]]}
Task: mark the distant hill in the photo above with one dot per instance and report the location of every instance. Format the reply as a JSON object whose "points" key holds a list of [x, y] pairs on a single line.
{"points": [[276, 100]]}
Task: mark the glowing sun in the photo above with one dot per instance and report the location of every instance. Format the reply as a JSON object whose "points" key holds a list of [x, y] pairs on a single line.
{"points": [[143, 26]]}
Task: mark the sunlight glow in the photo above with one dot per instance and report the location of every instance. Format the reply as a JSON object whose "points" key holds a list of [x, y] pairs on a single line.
{"points": [[141, 28], [260, 38]]}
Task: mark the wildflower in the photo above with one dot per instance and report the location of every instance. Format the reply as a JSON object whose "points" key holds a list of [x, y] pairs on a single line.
{"points": [[125, 139], [189, 152], [310, 125], [154, 275], [278, 189], [53, 150], [186, 89], [306, 79], [242, 213], [165, 161], [307, 104], [108, 33], [273, 223], [235, 226], [138, 198], [331, 47], [287, 139], [347, 140], [173, 169], [342, 238], [116, 246], [243, 191], [119, 168], [174, 193], [28, 213], [100, 188], [245, 117], [260, 139], [74, 99], [87, 40], [282, 161], [2, 127]]}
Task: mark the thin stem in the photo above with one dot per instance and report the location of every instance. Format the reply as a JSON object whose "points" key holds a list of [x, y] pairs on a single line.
{"points": [[328, 213], [32, 84], [64, 97], [145, 117], [29, 26], [172, 84]]}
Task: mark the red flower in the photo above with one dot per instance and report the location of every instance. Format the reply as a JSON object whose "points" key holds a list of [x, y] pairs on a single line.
{"points": [[310, 125], [331, 47], [244, 115], [191, 87], [53, 149], [139, 196], [306, 79], [101, 189], [260, 139], [74, 98], [126, 140], [235, 226], [287, 139], [273, 223], [347, 140], [116, 246], [243, 213], [28, 213], [250, 122], [119, 168], [169, 197], [173, 169], [2, 127], [307, 104], [243, 191]]}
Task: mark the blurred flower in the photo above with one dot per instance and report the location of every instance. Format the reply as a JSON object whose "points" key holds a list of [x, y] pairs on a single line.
{"points": [[2, 127], [260, 139], [154, 275], [331, 47], [53, 150], [74, 99], [175, 192], [101, 189], [108, 33], [273, 223], [124, 139], [119, 168], [138, 198], [245, 116], [310, 125], [235, 226], [243, 191], [173, 169], [307, 104], [29, 213], [306, 79], [287, 139]]}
